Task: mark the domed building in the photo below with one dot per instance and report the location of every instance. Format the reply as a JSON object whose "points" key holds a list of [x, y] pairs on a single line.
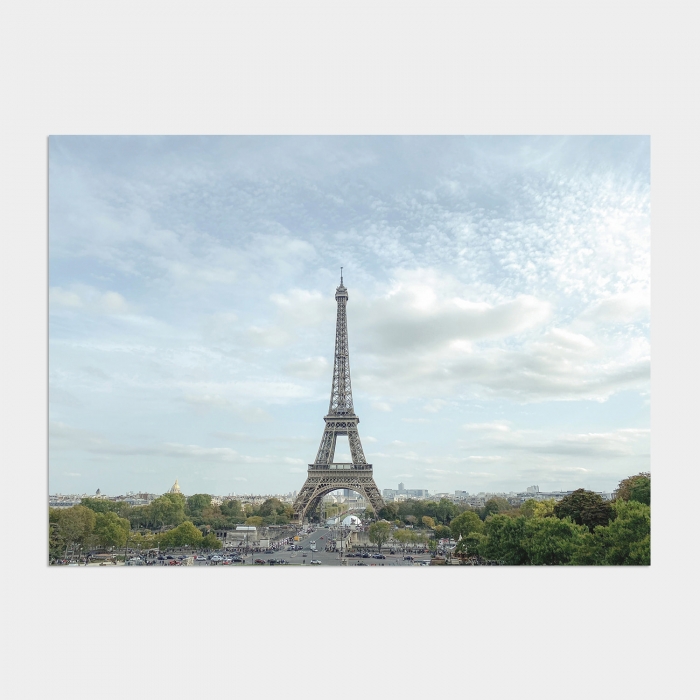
{"points": [[175, 488]]}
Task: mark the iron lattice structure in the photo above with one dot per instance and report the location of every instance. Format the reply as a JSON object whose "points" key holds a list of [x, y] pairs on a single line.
{"points": [[324, 474]]}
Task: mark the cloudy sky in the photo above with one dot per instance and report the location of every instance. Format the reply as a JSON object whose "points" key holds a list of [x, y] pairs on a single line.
{"points": [[498, 314]]}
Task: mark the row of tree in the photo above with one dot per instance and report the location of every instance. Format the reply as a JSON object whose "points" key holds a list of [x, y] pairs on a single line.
{"points": [[582, 528], [173, 508]]}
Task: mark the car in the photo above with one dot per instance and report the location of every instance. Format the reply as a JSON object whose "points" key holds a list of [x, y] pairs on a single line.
{"points": [[170, 556], [236, 560], [391, 551], [315, 561], [408, 558], [199, 557], [424, 562], [365, 555], [259, 561], [304, 554], [361, 563], [378, 556], [216, 557]]}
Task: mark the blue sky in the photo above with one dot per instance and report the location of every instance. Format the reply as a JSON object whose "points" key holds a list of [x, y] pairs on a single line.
{"points": [[498, 314]]}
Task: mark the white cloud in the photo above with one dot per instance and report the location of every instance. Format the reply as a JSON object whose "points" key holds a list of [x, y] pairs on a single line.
{"points": [[309, 368], [82, 296], [381, 406]]}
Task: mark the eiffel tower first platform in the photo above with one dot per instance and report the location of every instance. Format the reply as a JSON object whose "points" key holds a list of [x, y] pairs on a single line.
{"points": [[325, 475]]}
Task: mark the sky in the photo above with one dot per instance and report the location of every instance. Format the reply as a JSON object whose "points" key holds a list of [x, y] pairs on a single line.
{"points": [[498, 313]]}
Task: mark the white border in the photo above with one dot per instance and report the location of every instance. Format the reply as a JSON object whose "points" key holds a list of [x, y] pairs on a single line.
{"points": [[361, 67]]}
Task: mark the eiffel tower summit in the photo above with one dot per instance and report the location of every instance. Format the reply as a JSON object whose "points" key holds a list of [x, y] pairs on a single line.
{"points": [[324, 474]]}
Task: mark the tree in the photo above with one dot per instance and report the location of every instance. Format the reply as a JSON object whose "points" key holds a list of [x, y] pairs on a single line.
{"points": [[231, 508], [168, 509], [254, 520], [99, 505], [635, 488], [445, 511], [428, 521], [210, 541], [369, 514], [111, 530], [185, 534], [389, 511], [551, 541], [379, 533], [403, 537], [494, 505], [462, 526], [73, 525], [627, 540], [538, 509], [504, 539], [272, 506], [585, 508], [442, 532], [197, 503]]}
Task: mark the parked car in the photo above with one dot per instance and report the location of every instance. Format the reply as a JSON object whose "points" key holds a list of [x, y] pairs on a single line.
{"points": [[259, 561], [379, 556], [408, 558], [315, 561], [197, 558]]}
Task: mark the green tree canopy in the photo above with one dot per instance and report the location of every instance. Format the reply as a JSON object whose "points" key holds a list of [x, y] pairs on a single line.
{"points": [[168, 509], [551, 541], [428, 521], [538, 509], [254, 520], [100, 505], [494, 505], [585, 508], [231, 508], [272, 506], [627, 540], [111, 530], [210, 541], [466, 523], [184, 534], [635, 488], [197, 503], [445, 511], [379, 533], [74, 525], [442, 532], [505, 539], [389, 511]]}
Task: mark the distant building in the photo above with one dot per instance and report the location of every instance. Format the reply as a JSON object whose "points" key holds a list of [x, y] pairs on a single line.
{"points": [[175, 488]]}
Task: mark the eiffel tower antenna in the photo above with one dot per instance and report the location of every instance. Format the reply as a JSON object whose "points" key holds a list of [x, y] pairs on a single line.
{"points": [[324, 474]]}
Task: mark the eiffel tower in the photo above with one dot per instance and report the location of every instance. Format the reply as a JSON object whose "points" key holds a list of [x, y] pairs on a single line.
{"points": [[324, 474]]}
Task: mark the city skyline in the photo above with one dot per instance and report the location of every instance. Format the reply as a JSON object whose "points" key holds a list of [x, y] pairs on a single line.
{"points": [[498, 318]]}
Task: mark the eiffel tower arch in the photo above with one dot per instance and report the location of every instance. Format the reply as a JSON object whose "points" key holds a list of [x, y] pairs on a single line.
{"points": [[324, 474]]}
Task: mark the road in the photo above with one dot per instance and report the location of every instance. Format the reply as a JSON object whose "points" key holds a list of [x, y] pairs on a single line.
{"points": [[321, 537]]}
